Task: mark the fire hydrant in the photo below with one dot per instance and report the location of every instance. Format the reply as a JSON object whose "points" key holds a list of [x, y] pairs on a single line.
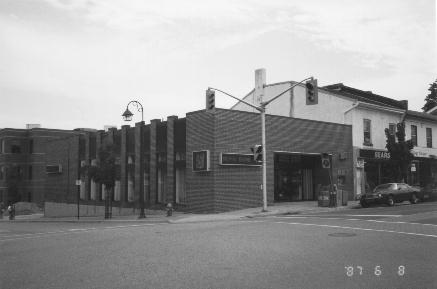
{"points": [[169, 208]]}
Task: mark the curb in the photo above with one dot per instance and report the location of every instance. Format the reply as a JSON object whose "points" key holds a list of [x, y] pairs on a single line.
{"points": [[189, 219]]}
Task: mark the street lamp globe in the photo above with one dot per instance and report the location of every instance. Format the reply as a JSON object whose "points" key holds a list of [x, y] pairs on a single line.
{"points": [[127, 115]]}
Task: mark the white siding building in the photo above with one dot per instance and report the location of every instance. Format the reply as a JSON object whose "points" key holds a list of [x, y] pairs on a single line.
{"points": [[368, 113]]}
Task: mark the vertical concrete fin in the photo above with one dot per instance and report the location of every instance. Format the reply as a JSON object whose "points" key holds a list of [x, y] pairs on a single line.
{"points": [[123, 163], [139, 165], [171, 177], [153, 161]]}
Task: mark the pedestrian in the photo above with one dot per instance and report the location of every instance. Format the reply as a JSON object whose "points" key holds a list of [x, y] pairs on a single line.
{"points": [[169, 209], [1, 210], [10, 212]]}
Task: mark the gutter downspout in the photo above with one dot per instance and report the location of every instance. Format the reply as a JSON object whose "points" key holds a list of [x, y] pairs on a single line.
{"points": [[404, 115], [349, 109]]}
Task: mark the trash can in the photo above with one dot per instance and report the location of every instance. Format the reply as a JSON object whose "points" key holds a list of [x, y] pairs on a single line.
{"points": [[324, 196], [345, 196]]}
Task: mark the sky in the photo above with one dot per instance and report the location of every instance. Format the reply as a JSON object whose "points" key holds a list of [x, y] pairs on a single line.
{"points": [[77, 63]]}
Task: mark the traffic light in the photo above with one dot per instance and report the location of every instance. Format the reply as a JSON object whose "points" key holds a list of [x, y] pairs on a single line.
{"points": [[257, 151], [326, 162], [210, 99], [311, 92]]}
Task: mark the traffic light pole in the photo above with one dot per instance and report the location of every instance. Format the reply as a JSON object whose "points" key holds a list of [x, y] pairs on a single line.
{"points": [[263, 144], [262, 109]]}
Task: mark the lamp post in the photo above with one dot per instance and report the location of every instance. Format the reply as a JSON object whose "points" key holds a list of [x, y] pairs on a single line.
{"points": [[127, 116], [262, 109]]}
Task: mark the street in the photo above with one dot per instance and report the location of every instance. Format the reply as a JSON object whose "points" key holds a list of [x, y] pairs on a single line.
{"points": [[376, 247]]}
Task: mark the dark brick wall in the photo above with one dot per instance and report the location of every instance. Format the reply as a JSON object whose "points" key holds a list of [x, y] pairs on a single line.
{"points": [[61, 187], [235, 187], [199, 185], [34, 188]]}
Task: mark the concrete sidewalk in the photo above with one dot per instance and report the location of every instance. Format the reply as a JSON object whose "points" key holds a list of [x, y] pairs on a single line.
{"points": [[159, 216], [273, 210]]}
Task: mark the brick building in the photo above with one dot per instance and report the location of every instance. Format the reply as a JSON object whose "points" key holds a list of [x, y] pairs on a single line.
{"points": [[30, 158], [201, 163]]}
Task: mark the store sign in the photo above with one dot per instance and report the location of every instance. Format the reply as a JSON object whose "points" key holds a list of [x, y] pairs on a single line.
{"points": [[424, 152], [201, 161], [231, 159], [54, 169], [373, 154]]}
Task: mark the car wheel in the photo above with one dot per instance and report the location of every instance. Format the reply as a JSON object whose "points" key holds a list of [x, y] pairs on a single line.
{"points": [[390, 201], [364, 204], [414, 199]]}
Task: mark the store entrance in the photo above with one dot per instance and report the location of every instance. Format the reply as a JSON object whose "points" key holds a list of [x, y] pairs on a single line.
{"points": [[296, 176]]}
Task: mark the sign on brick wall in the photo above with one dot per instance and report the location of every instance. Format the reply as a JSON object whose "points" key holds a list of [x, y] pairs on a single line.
{"points": [[232, 159], [201, 161]]}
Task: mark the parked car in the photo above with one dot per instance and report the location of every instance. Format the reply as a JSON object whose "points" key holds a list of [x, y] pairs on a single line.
{"points": [[390, 194], [429, 192]]}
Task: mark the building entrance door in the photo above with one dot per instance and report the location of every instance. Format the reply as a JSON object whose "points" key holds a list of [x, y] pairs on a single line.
{"points": [[294, 176]]}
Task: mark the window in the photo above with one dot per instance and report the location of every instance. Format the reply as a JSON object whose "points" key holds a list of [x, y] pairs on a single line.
{"points": [[1, 146], [392, 128], [428, 137], [30, 172], [15, 149], [367, 132], [180, 185], [53, 169], [414, 135], [31, 146]]}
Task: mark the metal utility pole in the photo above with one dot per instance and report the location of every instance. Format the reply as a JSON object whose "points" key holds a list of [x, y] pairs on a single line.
{"points": [[262, 109]]}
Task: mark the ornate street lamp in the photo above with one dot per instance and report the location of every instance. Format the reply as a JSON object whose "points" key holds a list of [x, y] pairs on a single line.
{"points": [[127, 116]]}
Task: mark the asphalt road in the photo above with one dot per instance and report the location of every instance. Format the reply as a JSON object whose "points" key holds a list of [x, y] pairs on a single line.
{"points": [[379, 247]]}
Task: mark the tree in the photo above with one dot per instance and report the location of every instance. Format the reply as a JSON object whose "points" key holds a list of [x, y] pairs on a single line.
{"points": [[400, 151], [431, 98], [106, 172]]}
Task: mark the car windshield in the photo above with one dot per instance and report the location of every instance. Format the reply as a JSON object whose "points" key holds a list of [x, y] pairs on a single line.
{"points": [[384, 187]]}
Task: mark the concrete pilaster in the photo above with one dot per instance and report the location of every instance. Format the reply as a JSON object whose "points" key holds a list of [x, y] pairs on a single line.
{"points": [[139, 165], [171, 177], [153, 161], [87, 163], [123, 164], [98, 148]]}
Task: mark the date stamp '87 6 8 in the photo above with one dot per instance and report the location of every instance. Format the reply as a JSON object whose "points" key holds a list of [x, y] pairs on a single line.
{"points": [[377, 270]]}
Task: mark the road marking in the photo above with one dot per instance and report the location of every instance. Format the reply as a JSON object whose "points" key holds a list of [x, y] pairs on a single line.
{"points": [[364, 220], [69, 231], [394, 216], [75, 230], [358, 228], [303, 215]]}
